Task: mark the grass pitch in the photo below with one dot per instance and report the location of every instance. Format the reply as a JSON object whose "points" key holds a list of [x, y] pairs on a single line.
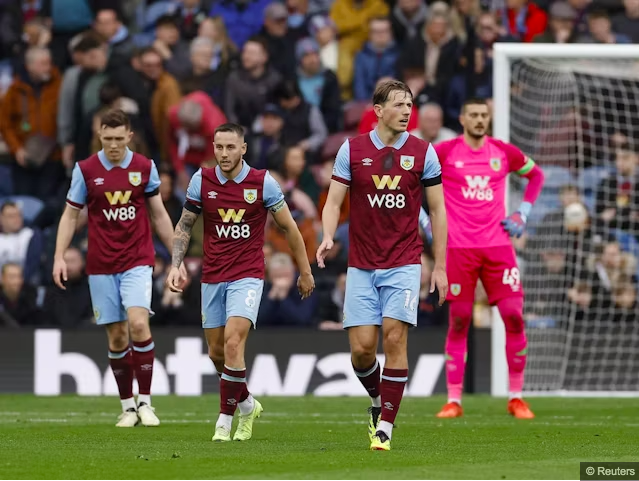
{"points": [[313, 438]]}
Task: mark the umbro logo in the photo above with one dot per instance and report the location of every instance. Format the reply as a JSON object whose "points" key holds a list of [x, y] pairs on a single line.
{"points": [[212, 194], [98, 181], [367, 162]]}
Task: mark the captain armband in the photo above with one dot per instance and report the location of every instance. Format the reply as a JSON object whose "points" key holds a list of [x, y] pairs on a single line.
{"points": [[277, 207]]}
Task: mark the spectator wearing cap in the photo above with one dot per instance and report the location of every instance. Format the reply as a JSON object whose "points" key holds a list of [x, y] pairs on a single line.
{"points": [[279, 40], [352, 18], [110, 27], [407, 19], [377, 59], [192, 125], [523, 20], [266, 146], [243, 20], [29, 123], [200, 75], [561, 26], [173, 50], [627, 22], [323, 30], [600, 29], [250, 87], [318, 85], [303, 125], [190, 15]]}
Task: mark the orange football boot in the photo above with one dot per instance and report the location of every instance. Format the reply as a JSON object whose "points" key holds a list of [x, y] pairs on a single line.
{"points": [[519, 409], [451, 410]]}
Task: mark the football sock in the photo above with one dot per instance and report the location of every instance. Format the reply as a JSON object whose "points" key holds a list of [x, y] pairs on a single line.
{"points": [[232, 384], [143, 356], [460, 317], [392, 391], [511, 311], [122, 368], [369, 377]]}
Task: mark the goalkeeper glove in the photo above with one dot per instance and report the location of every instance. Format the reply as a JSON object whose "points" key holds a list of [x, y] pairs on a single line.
{"points": [[515, 224]]}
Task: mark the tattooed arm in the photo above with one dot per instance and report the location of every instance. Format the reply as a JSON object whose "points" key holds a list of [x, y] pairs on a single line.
{"points": [[182, 236], [181, 240]]}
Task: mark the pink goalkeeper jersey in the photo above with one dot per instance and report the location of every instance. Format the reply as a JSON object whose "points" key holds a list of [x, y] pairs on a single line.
{"points": [[474, 183]]}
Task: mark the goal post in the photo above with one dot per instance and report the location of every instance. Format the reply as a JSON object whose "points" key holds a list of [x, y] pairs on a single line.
{"points": [[563, 104]]}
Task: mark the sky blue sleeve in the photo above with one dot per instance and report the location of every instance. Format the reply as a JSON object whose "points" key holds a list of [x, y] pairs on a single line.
{"points": [[194, 190], [432, 168], [154, 180], [272, 193], [78, 191], [342, 167]]}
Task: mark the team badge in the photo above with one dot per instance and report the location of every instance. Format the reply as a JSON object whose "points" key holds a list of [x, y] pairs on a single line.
{"points": [[135, 178], [407, 162], [455, 289], [495, 164], [250, 195]]}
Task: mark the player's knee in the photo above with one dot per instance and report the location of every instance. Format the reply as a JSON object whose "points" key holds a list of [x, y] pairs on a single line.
{"points": [[511, 312], [395, 340], [216, 354], [139, 327], [232, 347], [461, 314], [118, 337], [363, 352]]}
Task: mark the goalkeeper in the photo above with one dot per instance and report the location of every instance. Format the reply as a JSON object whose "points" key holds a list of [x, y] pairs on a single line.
{"points": [[475, 170]]}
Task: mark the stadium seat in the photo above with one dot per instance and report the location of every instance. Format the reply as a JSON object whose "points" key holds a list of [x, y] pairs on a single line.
{"points": [[334, 142], [353, 112], [556, 177], [6, 180]]}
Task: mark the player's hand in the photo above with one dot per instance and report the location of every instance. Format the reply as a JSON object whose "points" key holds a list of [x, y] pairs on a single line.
{"points": [[439, 281], [322, 251], [175, 281], [60, 273], [183, 275], [514, 224], [305, 285]]}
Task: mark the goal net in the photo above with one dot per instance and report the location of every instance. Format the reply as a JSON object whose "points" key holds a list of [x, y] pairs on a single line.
{"points": [[575, 110]]}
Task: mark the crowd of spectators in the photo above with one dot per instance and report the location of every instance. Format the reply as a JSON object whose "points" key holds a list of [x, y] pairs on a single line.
{"points": [[297, 74]]}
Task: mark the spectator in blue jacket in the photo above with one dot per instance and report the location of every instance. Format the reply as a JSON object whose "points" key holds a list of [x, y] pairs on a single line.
{"points": [[376, 60], [243, 19], [281, 302]]}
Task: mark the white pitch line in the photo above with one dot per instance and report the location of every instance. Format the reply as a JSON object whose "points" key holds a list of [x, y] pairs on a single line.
{"points": [[427, 422]]}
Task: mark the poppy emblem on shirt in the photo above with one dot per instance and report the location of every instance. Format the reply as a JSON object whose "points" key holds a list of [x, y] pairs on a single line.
{"points": [[407, 162], [455, 289], [495, 164], [135, 178], [250, 195]]}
